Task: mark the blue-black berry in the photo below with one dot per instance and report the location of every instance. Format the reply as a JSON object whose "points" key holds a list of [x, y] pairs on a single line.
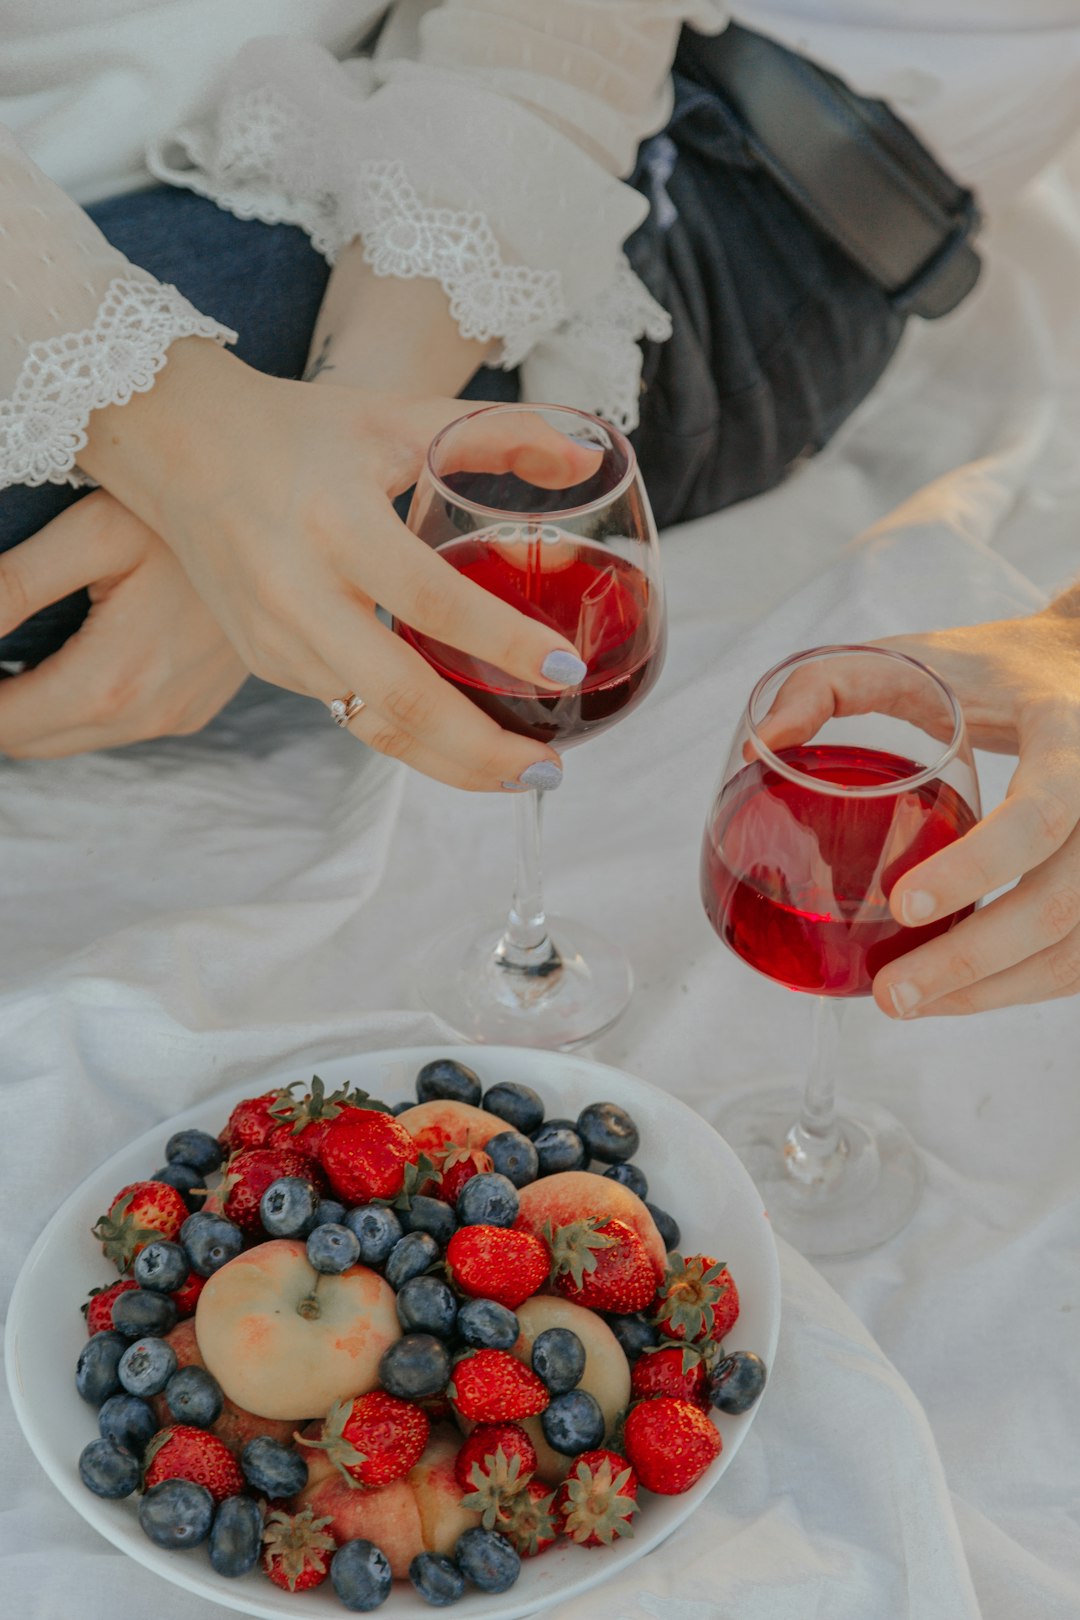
{"points": [[360, 1575], [608, 1132], [736, 1381], [414, 1366], [236, 1536], [427, 1305], [198, 1148], [487, 1200], [107, 1470], [634, 1333], [273, 1469], [667, 1226], [429, 1215], [328, 1212], [573, 1423], [558, 1359], [188, 1181], [287, 1207], [487, 1559], [519, 1105], [97, 1369], [446, 1078], [414, 1253], [487, 1325], [437, 1579], [333, 1249], [146, 1367], [628, 1175], [176, 1513], [194, 1396], [378, 1229], [161, 1267], [211, 1241], [559, 1147], [128, 1421], [140, 1311], [514, 1156]]}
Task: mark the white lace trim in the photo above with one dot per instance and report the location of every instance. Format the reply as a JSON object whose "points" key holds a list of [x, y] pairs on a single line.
{"points": [[63, 379], [607, 331]]}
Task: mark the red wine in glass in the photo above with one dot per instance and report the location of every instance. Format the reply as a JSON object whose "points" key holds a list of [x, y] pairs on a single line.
{"points": [[797, 881], [585, 591]]}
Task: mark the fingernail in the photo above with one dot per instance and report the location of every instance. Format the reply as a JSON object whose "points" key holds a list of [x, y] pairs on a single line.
{"points": [[544, 774], [564, 667], [905, 998], [918, 906]]}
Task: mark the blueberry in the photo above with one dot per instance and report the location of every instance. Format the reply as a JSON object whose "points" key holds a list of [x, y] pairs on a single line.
{"points": [[186, 1179], [608, 1132], [378, 1229], [450, 1079], [412, 1254], [667, 1226], [333, 1248], [514, 1157], [628, 1175], [129, 1422], [437, 1579], [161, 1267], [198, 1148], [487, 1200], [415, 1366], [97, 1369], [176, 1513], [141, 1311], [236, 1537], [487, 1559], [194, 1396], [287, 1207], [273, 1469], [146, 1366], [427, 1305], [107, 1470], [736, 1381], [430, 1215], [559, 1147], [519, 1105], [634, 1333], [573, 1423], [558, 1359], [402, 1107], [360, 1575], [486, 1324], [211, 1241], [328, 1212]]}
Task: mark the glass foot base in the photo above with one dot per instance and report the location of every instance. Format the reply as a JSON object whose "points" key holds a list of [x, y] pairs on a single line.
{"points": [[867, 1192], [562, 1004]]}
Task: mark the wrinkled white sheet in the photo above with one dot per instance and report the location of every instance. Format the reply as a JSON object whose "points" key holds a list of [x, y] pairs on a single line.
{"points": [[182, 916]]}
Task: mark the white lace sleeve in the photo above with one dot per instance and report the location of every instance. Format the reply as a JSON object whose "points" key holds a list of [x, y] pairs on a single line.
{"points": [[489, 161], [80, 327]]}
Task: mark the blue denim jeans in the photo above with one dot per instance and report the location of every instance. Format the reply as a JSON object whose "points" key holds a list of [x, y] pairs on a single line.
{"points": [[777, 338]]}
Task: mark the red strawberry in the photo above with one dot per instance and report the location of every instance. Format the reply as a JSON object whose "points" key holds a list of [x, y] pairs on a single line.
{"points": [[496, 1483], [247, 1175], [529, 1520], [182, 1452], [603, 1265], [251, 1121], [140, 1213], [98, 1307], [296, 1549], [696, 1300], [436, 1407], [480, 1448], [670, 1443], [458, 1165], [497, 1262], [304, 1124], [373, 1439], [186, 1297], [597, 1499], [677, 1370], [365, 1154], [492, 1386]]}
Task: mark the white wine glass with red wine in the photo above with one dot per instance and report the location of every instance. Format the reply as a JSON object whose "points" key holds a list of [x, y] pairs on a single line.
{"points": [[584, 560], [850, 766]]}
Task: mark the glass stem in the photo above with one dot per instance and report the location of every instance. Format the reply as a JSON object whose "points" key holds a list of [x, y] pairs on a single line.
{"points": [[526, 946], [814, 1148]]}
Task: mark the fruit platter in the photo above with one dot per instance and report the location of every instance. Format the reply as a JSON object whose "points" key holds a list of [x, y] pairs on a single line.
{"points": [[464, 1328]]}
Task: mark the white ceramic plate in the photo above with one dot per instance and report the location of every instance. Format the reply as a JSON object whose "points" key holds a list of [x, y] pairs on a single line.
{"points": [[691, 1171]]}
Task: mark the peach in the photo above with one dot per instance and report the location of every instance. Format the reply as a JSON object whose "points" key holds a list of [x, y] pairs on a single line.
{"points": [[420, 1513], [432, 1124], [283, 1340], [571, 1195], [235, 1426]]}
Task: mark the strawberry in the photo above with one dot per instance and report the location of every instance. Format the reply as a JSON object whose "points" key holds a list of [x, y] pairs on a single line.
{"points": [[498, 1262], [492, 1386], [248, 1173], [140, 1213], [183, 1452], [99, 1304], [372, 1439], [186, 1297], [304, 1124], [670, 1444], [597, 1499], [251, 1121], [678, 1370], [696, 1300], [480, 1448], [457, 1166], [296, 1549], [603, 1265], [365, 1154], [495, 1482], [529, 1521]]}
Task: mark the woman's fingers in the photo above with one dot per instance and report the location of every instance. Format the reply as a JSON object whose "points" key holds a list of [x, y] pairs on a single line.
{"points": [[849, 684], [1050, 974], [76, 548], [500, 439]]}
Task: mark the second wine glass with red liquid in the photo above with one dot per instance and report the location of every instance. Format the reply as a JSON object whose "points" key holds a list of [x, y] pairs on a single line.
{"points": [[585, 561], [850, 766]]}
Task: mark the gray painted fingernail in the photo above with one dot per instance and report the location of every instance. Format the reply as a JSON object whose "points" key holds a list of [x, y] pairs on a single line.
{"points": [[544, 774], [564, 667]]}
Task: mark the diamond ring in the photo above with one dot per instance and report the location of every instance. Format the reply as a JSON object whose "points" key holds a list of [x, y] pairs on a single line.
{"points": [[345, 709]]}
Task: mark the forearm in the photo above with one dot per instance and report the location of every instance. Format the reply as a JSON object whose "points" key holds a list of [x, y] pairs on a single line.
{"points": [[388, 335]]}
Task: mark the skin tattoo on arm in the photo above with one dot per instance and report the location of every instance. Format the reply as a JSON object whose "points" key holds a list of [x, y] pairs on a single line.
{"points": [[320, 362]]}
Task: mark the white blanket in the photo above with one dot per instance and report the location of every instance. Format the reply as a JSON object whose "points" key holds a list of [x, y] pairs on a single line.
{"points": [[185, 915]]}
